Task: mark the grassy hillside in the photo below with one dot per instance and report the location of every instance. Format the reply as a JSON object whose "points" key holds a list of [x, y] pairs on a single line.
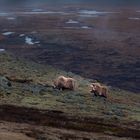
{"points": [[27, 97], [32, 87]]}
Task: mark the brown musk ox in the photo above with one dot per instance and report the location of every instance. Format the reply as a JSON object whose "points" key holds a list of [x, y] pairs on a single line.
{"points": [[99, 90], [63, 82]]}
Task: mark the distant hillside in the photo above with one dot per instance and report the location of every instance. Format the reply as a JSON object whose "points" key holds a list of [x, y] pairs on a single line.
{"points": [[101, 2]]}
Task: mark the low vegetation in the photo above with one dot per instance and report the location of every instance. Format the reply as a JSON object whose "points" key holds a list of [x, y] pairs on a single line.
{"points": [[27, 84]]}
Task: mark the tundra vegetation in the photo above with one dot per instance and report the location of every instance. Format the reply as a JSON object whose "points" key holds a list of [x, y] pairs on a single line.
{"points": [[28, 99]]}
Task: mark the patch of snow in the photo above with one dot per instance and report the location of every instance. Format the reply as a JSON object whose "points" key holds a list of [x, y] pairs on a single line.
{"points": [[65, 13], [93, 12], [70, 27], [89, 16], [29, 41], [72, 22], [37, 10], [11, 18], [21, 35], [4, 14], [33, 12], [82, 27], [37, 42], [85, 27], [89, 12], [45, 12], [33, 32], [134, 18], [7, 33], [2, 50]]}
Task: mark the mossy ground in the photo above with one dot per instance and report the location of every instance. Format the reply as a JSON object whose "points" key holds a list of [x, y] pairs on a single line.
{"points": [[120, 105]]}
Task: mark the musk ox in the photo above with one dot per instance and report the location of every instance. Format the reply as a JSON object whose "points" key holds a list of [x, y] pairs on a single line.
{"points": [[65, 83], [99, 90]]}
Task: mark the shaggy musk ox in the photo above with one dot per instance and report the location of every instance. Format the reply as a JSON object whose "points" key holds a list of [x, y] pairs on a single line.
{"points": [[99, 90], [65, 83]]}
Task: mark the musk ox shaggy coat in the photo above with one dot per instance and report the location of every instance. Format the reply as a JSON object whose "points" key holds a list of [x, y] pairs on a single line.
{"points": [[99, 90], [65, 83]]}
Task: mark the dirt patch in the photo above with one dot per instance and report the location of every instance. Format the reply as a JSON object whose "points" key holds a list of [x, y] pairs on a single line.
{"points": [[59, 119], [13, 136]]}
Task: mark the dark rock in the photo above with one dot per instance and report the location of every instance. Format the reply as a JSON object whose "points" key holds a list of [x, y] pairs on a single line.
{"points": [[4, 82]]}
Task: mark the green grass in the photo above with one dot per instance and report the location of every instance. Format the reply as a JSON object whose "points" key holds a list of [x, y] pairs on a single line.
{"points": [[121, 105]]}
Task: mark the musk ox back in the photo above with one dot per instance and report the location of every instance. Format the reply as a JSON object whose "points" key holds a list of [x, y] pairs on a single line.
{"points": [[99, 90], [65, 83]]}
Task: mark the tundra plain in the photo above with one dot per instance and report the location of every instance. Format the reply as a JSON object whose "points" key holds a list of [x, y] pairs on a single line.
{"points": [[82, 41]]}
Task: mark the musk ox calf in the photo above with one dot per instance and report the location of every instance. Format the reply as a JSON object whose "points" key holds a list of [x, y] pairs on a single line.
{"points": [[99, 90], [65, 83]]}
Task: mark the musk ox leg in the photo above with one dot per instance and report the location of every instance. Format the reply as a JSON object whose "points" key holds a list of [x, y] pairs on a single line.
{"points": [[104, 92], [63, 88], [70, 84], [95, 93], [103, 96]]}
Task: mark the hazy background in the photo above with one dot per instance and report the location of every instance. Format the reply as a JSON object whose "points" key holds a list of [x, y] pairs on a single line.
{"points": [[101, 2], [107, 44]]}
